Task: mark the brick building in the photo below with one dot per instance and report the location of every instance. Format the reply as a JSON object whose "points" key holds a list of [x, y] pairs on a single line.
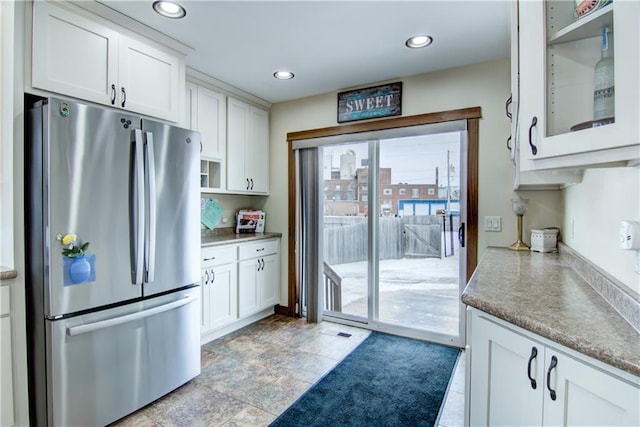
{"points": [[350, 196]]}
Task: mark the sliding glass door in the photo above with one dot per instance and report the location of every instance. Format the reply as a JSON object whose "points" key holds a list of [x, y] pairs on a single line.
{"points": [[345, 228], [391, 211]]}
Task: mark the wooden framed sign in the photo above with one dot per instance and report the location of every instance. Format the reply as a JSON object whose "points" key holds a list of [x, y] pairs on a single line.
{"points": [[370, 103]]}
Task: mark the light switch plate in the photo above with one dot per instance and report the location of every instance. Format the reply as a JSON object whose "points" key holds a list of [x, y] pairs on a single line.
{"points": [[492, 223]]}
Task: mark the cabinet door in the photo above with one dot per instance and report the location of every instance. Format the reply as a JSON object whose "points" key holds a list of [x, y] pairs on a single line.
{"points": [[269, 280], [149, 80], [223, 297], [210, 122], [501, 392], [205, 297], [73, 55], [189, 120], [248, 296], [557, 58], [588, 396], [238, 117], [257, 163], [6, 374]]}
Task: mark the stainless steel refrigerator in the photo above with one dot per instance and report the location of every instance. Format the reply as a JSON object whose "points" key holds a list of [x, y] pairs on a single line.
{"points": [[104, 345]]}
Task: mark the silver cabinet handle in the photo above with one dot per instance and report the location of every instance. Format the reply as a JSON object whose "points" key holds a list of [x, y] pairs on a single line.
{"points": [[206, 277], [209, 259], [213, 276], [102, 324], [150, 175]]}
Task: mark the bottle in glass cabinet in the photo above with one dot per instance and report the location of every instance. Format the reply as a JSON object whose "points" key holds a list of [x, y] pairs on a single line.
{"points": [[604, 87]]}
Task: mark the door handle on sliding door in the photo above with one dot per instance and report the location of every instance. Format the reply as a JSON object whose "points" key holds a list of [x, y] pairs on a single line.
{"points": [[150, 177], [137, 214], [461, 236]]}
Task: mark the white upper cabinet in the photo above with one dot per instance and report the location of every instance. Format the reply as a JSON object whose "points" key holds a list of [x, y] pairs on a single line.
{"points": [[73, 55], [148, 80], [210, 121], [247, 148], [533, 179], [80, 57], [557, 56]]}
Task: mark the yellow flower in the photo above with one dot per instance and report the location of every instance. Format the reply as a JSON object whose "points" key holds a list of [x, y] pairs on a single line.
{"points": [[68, 239]]}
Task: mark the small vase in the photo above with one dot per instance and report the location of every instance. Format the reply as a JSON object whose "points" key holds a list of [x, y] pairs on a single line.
{"points": [[80, 269]]}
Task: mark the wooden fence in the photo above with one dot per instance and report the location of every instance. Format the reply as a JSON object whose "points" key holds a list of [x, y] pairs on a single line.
{"points": [[345, 238]]}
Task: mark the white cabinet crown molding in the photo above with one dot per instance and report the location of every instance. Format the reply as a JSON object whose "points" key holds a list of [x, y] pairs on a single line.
{"points": [[127, 25], [212, 83]]}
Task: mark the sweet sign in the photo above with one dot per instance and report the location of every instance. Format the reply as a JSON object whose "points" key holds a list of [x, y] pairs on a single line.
{"points": [[370, 103]]}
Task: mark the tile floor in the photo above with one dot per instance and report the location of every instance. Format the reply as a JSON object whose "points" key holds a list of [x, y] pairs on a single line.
{"points": [[249, 377]]}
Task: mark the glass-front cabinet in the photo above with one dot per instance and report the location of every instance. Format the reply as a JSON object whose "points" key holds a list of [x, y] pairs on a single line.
{"points": [[559, 49]]}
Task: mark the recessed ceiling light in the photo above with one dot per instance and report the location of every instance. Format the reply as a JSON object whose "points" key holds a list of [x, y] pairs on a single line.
{"points": [[416, 42], [283, 75], [169, 9]]}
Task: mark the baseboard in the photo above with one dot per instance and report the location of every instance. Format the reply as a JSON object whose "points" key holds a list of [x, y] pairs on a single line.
{"points": [[284, 310], [215, 334]]}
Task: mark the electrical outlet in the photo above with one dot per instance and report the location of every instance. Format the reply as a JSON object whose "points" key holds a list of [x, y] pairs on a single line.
{"points": [[492, 223]]}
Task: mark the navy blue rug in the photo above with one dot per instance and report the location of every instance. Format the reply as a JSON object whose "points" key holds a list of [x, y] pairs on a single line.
{"points": [[386, 381]]}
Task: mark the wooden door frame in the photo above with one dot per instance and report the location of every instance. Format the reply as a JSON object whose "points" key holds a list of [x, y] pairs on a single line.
{"points": [[472, 116]]}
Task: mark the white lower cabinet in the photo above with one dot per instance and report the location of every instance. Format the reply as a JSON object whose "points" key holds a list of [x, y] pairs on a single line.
{"points": [[6, 366], [240, 284], [258, 276], [518, 378], [219, 287]]}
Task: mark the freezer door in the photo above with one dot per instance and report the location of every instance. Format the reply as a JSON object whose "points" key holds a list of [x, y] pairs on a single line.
{"points": [[88, 187], [172, 246], [107, 364]]}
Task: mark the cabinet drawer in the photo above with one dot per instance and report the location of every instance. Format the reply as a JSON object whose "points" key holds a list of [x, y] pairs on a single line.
{"points": [[219, 255], [260, 248]]}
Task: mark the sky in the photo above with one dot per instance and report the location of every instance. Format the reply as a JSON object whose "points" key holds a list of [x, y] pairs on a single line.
{"points": [[412, 159]]}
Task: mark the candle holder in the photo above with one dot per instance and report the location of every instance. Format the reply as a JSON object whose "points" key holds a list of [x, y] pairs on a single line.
{"points": [[519, 207]]}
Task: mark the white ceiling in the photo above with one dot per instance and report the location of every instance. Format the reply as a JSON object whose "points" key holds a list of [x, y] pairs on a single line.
{"points": [[329, 45]]}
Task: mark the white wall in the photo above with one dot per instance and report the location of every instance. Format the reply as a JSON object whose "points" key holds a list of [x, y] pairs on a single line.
{"points": [[595, 207], [233, 203], [486, 85]]}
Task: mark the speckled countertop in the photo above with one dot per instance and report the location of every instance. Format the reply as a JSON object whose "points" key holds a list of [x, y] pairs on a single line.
{"points": [[543, 294], [224, 237], [7, 273]]}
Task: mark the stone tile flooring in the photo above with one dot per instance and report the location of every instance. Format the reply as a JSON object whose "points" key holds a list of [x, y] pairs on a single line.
{"points": [[252, 375]]}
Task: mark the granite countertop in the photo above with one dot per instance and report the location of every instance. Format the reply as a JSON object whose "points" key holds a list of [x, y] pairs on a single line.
{"points": [[7, 273], [222, 238], [542, 293]]}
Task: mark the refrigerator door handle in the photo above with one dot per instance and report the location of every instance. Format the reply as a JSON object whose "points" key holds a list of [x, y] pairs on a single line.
{"points": [[150, 242], [138, 216], [103, 324]]}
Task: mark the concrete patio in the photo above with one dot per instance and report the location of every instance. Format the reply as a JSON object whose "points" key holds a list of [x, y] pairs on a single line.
{"points": [[421, 293]]}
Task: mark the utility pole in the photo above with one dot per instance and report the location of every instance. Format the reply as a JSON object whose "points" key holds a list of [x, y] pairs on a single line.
{"points": [[448, 183]]}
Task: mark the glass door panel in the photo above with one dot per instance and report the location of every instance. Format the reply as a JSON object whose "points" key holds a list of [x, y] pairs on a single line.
{"points": [[345, 230], [418, 249], [390, 220]]}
